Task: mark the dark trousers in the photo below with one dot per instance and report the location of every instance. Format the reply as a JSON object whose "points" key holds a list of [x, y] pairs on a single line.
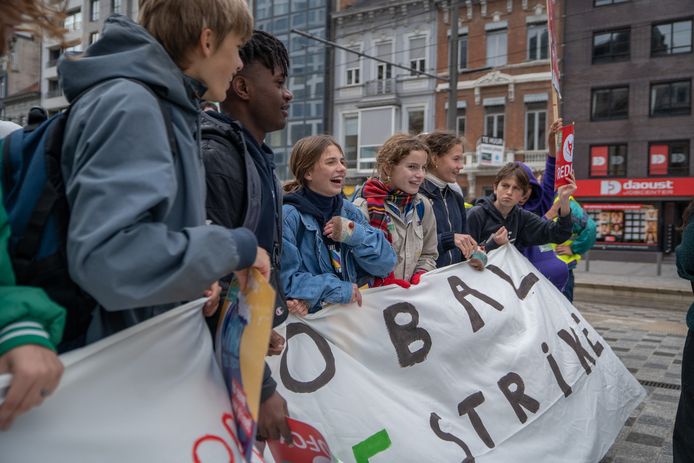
{"points": [[683, 434], [568, 290]]}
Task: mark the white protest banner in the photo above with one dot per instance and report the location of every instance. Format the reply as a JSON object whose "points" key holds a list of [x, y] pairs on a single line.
{"points": [[151, 393], [492, 366]]}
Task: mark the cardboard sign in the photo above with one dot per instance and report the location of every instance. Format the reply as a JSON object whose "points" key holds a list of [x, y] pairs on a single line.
{"points": [[495, 366], [242, 342], [565, 158]]}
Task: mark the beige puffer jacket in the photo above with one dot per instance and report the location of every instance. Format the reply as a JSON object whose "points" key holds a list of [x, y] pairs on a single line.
{"points": [[415, 244]]}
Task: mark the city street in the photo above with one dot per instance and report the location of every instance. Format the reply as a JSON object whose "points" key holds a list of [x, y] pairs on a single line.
{"points": [[649, 342]]}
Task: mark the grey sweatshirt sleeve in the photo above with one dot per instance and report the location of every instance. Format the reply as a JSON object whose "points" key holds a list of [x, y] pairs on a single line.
{"points": [[122, 185]]}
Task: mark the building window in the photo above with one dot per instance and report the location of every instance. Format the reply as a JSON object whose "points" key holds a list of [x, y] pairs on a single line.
{"points": [[535, 127], [668, 158], [496, 48], [54, 55], [415, 120], [384, 51], [3, 86], [384, 72], [608, 161], [494, 122], [671, 38], [418, 53], [353, 67], [93, 37], [671, 98], [608, 2], [376, 125], [351, 141], [460, 122], [609, 103], [462, 52], [94, 10], [611, 46], [117, 6], [537, 42], [73, 21], [54, 89]]}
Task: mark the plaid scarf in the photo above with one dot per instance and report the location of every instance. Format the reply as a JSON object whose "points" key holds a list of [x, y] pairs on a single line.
{"points": [[380, 196]]}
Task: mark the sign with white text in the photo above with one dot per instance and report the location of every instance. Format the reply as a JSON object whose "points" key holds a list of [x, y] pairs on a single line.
{"points": [[635, 187], [565, 157]]}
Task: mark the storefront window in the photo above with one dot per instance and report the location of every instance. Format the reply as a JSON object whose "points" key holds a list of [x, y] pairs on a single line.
{"points": [[668, 158], [625, 226]]}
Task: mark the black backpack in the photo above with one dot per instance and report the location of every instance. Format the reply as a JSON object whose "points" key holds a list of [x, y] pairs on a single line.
{"points": [[34, 197], [224, 134]]}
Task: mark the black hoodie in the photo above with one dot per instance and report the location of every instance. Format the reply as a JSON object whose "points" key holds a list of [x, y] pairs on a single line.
{"points": [[524, 227]]}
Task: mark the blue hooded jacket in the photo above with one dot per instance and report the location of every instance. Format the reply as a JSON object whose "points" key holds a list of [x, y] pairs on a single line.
{"points": [[137, 239]]}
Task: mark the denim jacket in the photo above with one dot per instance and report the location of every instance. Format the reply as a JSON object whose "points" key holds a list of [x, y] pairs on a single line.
{"points": [[306, 271]]}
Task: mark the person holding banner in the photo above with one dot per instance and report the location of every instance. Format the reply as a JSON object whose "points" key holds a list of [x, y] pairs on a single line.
{"points": [[137, 240], [329, 249], [242, 186], [393, 204], [683, 434], [583, 235], [31, 324], [539, 201], [454, 244], [498, 219]]}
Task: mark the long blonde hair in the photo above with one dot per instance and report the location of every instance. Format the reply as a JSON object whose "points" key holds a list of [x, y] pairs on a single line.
{"points": [[305, 154]]}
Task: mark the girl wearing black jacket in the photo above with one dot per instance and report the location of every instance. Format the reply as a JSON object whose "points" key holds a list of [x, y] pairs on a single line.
{"points": [[455, 244]]}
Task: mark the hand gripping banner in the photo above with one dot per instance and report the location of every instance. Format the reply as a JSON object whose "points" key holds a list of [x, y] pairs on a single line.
{"points": [[151, 393]]}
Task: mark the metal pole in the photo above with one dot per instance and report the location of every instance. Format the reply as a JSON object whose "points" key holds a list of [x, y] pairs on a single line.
{"points": [[453, 69]]}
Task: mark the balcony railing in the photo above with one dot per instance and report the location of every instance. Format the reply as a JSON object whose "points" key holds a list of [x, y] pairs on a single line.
{"points": [[54, 93], [380, 87], [472, 160], [533, 157]]}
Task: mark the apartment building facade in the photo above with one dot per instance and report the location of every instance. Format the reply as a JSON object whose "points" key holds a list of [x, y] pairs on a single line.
{"points": [[83, 22], [19, 78], [373, 100], [503, 91], [627, 84]]}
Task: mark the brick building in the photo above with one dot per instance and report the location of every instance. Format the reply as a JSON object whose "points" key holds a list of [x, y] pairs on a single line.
{"points": [[627, 80], [503, 84]]}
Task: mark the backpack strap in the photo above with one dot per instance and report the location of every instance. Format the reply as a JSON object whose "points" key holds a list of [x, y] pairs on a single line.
{"points": [[420, 210], [50, 200], [6, 171]]}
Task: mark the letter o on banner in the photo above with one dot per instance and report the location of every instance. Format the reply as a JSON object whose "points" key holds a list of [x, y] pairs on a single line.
{"points": [[324, 378]]}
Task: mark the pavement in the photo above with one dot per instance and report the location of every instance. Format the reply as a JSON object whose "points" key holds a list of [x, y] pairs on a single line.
{"points": [[632, 283], [641, 316]]}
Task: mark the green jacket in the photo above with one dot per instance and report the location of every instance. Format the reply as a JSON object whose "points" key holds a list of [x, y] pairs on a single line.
{"points": [[685, 264], [27, 315]]}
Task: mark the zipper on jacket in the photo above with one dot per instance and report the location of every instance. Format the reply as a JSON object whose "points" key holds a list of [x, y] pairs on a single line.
{"points": [[450, 226]]}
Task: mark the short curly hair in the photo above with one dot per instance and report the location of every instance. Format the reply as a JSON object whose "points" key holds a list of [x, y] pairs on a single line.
{"points": [[395, 149]]}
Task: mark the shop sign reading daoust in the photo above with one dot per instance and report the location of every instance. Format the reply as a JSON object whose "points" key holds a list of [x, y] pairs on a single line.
{"points": [[630, 187]]}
